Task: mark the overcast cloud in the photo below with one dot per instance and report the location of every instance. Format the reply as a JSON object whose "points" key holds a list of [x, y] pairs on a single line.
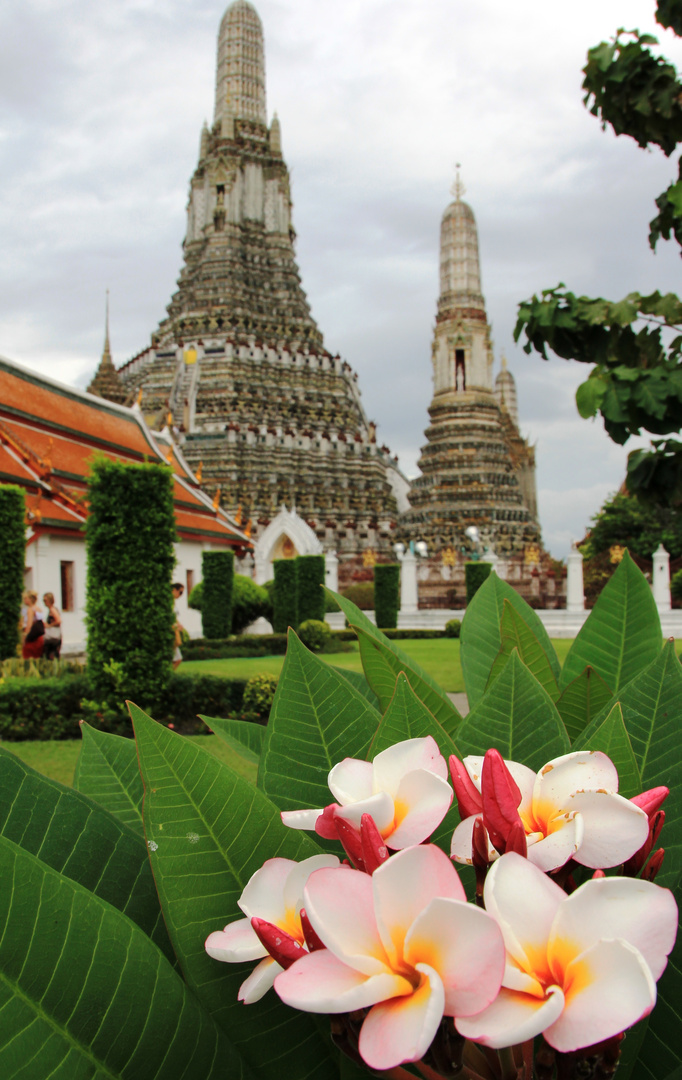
{"points": [[101, 107]]}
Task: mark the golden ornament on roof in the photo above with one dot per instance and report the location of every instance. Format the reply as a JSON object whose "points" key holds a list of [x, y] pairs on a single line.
{"points": [[369, 557], [616, 552]]}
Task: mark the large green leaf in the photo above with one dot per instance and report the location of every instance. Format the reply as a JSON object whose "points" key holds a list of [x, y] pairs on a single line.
{"points": [[481, 640], [408, 718], [107, 771], [621, 635], [80, 839], [517, 717], [358, 680], [208, 832], [316, 720], [516, 634], [613, 740], [582, 700], [241, 735], [84, 993], [383, 660], [652, 713], [661, 1051]]}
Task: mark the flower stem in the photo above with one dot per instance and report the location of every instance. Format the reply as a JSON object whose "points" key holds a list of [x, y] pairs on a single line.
{"points": [[508, 1070]]}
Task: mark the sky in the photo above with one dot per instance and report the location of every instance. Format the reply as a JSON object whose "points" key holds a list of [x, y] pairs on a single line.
{"points": [[101, 108]]}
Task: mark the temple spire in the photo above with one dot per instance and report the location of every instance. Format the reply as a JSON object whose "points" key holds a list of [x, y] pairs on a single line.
{"points": [[106, 382], [106, 351], [240, 70], [458, 189]]}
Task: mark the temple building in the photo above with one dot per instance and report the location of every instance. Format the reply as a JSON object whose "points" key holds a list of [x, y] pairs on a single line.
{"points": [[476, 469], [261, 408]]}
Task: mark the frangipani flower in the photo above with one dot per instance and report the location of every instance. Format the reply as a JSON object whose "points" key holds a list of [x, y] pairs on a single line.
{"points": [[403, 941], [580, 968], [405, 790], [274, 894], [570, 809]]}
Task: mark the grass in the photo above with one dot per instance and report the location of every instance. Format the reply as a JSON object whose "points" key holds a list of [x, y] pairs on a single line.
{"points": [[438, 656], [58, 759]]}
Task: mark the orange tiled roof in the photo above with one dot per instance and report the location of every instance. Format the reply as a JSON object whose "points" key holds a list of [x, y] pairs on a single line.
{"points": [[48, 436]]}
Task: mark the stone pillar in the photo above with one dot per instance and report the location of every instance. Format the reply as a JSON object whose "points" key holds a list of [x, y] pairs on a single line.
{"points": [[408, 584], [331, 571], [575, 594], [661, 579]]}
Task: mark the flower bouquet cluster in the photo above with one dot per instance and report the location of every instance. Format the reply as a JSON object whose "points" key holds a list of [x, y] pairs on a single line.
{"points": [[402, 891]]}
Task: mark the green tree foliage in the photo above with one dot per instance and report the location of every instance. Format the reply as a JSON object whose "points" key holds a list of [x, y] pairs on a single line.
{"points": [[475, 574], [129, 610], [285, 595], [12, 559], [386, 595], [217, 571], [310, 584], [625, 522], [634, 344], [249, 601]]}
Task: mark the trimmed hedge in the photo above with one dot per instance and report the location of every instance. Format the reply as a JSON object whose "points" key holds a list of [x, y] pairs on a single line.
{"points": [[12, 561], [386, 595], [217, 573], [285, 595], [315, 634], [475, 573], [249, 602], [130, 533], [53, 708], [453, 628], [360, 593], [310, 588]]}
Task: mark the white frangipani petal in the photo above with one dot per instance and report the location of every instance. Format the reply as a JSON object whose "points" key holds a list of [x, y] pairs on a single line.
{"points": [[614, 828], [380, 807], [609, 988], [340, 905], [391, 765], [583, 770], [421, 802], [259, 981], [404, 1028], [321, 983], [462, 839], [351, 780], [299, 874], [263, 895], [639, 912], [512, 1018], [551, 852], [300, 819], [524, 902], [236, 943]]}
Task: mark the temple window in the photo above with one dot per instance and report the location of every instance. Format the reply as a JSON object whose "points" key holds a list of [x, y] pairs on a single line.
{"points": [[190, 582], [460, 371], [66, 576]]}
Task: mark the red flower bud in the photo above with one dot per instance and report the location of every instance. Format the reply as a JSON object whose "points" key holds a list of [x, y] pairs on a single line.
{"points": [[635, 863], [282, 946], [374, 850], [650, 801], [325, 825], [350, 838], [516, 839], [468, 796], [501, 797], [311, 939], [479, 845], [654, 865]]}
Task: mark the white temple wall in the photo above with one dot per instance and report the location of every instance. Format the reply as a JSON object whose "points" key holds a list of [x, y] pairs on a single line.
{"points": [[253, 201]]}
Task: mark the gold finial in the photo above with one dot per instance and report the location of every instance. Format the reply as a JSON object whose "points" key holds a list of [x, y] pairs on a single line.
{"points": [[169, 455], [199, 472], [458, 188], [247, 530], [503, 359], [139, 396], [216, 499], [169, 419], [238, 515]]}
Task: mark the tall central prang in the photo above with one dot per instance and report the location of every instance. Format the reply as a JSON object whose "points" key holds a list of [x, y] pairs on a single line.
{"points": [[271, 416]]}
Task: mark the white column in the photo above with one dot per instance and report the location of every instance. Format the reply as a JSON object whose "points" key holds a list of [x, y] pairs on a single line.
{"points": [[661, 579], [575, 594], [408, 584], [331, 571]]}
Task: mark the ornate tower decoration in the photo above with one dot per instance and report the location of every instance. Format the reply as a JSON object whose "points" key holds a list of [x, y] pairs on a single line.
{"points": [[239, 359], [106, 382], [476, 468]]}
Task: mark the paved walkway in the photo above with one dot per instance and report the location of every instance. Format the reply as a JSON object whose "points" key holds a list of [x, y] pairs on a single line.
{"points": [[460, 702]]}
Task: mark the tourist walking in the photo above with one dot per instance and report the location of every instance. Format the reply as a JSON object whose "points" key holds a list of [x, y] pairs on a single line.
{"points": [[178, 589], [32, 628], [53, 629]]}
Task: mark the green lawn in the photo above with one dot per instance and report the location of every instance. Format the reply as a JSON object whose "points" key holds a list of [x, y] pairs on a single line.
{"points": [[58, 759], [438, 656]]}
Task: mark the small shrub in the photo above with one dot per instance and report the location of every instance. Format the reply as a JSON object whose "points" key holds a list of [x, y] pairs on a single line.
{"points": [[676, 586], [285, 598], [361, 594], [386, 594], [259, 693], [12, 560], [314, 634], [196, 597], [475, 574], [249, 602], [453, 627], [217, 571], [310, 587]]}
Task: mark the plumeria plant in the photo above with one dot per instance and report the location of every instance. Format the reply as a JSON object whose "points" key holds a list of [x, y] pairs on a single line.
{"points": [[401, 892]]}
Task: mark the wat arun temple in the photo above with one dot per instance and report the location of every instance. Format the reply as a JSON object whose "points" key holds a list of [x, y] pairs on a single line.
{"points": [[268, 417]]}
